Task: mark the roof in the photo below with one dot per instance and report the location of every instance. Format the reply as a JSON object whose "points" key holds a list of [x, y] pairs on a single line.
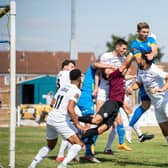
{"points": [[38, 78], [43, 62]]}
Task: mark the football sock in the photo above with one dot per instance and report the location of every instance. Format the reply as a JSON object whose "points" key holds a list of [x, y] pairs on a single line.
{"points": [[88, 145], [43, 152], [120, 131], [85, 119], [87, 138], [64, 145], [94, 139], [72, 153], [110, 138], [137, 129], [137, 114], [91, 132], [88, 150]]}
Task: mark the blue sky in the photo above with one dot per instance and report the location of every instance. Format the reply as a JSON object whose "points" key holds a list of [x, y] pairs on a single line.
{"points": [[44, 25]]}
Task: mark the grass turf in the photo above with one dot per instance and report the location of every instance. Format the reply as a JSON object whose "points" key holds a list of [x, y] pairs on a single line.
{"points": [[151, 154]]}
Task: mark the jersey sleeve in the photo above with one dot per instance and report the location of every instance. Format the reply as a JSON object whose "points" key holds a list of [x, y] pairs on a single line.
{"points": [[151, 41], [134, 49], [75, 95], [103, 58]]}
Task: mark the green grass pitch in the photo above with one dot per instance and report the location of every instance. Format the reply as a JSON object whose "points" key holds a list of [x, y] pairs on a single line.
{"points": [[151, 154]]}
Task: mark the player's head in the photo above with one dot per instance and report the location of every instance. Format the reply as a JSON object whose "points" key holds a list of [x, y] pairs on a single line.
{"points": [[76, 77], [145, 62], [65, 64], [120, 47], [71, 65], [68, 65], [143, 30]]}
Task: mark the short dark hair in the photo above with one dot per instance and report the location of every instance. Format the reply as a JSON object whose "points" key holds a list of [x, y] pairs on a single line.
{"points": [[67, 62], [144, 57], [72, 62], [64, 63], [120, 42], [75, 74], [142, 25]]}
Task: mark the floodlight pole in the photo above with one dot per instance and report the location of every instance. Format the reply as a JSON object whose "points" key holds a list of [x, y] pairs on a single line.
{"points": [[73, 47], [12, 82]]}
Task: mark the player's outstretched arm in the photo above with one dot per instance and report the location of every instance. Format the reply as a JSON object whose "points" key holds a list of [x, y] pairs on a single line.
{"points": [[74, 117], [96, 83], [133, 87], [125, 65], [101, 65], [165, 86]]}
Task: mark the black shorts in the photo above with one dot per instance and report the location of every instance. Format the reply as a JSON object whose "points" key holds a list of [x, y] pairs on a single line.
{"points": [[109, 111]]}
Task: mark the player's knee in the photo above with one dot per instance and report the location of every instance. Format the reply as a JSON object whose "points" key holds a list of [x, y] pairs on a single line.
{"points": [[97, 119], [146, 104], [81, 144], [119, 119], [102, 129], [51, 143]]}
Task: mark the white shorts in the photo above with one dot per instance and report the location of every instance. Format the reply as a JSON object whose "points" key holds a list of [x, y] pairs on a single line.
{"points": [[103, 94], [65, 129], [161, 112]]}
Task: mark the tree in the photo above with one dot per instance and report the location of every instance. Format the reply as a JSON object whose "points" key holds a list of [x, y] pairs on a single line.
{"points": [[114, 38]]}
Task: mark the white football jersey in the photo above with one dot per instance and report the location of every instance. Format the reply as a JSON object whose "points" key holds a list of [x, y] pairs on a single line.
{"points": [[153, 78], [62, 79], [129, 82], [59, 112], [109, 58]]}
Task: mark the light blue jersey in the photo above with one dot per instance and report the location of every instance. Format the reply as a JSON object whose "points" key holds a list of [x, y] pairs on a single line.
{"points": [[138, 46]]}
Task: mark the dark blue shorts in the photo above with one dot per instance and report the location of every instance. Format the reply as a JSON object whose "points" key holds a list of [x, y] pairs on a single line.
{"points": [[142, 94]]}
